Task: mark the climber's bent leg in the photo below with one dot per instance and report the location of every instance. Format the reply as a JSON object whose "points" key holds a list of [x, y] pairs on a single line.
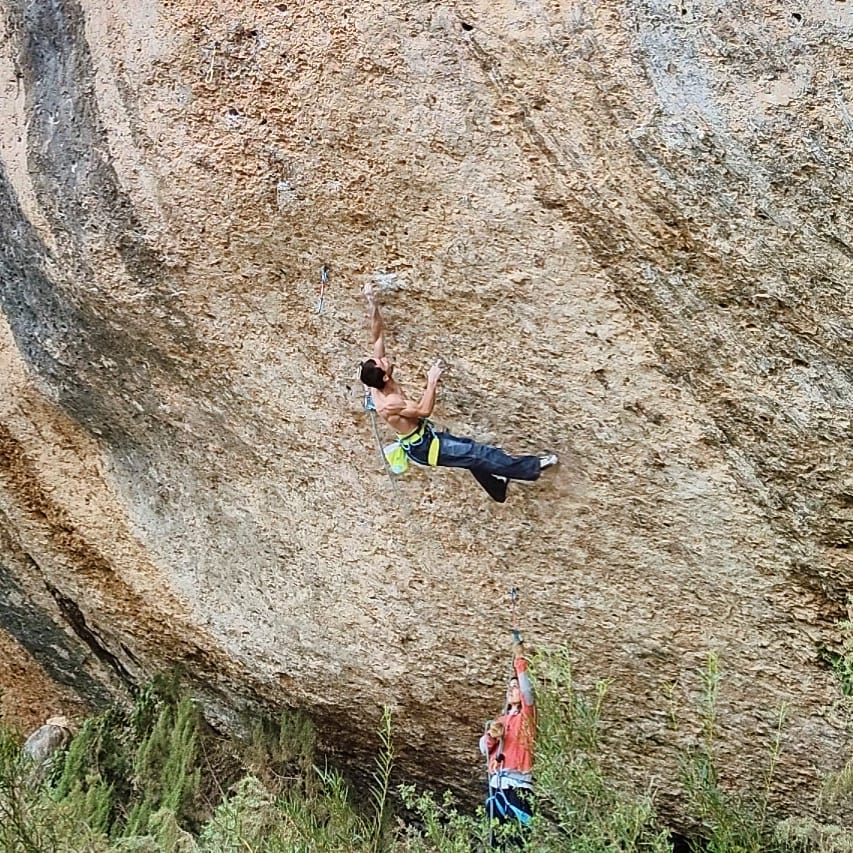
{"points": [[495, 486]]}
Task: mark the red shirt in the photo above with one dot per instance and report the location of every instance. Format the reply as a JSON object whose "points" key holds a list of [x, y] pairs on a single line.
{"points": [[519, 730]]}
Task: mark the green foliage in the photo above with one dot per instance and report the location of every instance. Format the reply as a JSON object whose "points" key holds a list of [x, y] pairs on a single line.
{"points": [[31, 819], [807, 835], [21, 825], [134, 780], [327, 822], [838, 787], [252, 818], [381, 783], [121, 769], [587, 810], [244, 820], [732, 822], [163, 774], [441, 828], [127, 764], [840, 659], [281, 752], [83, 780]]}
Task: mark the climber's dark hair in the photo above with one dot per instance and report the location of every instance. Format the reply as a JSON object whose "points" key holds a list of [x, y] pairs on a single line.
{"points": [[372, 374]]}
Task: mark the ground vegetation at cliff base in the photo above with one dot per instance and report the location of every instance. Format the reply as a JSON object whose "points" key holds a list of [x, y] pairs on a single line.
{"points": [[155, 776]]}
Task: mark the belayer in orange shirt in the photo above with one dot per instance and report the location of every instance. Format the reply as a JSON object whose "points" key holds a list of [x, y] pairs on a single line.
{"points": [[508, 743]]}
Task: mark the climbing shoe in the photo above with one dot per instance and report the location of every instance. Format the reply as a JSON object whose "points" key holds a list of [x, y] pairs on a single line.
{"points": [[548, 460]]}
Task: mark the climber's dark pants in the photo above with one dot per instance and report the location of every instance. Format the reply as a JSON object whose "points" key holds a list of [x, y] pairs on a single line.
{"points": [[486, 463]]}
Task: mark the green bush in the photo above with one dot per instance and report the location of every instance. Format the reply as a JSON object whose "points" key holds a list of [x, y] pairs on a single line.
{"points": [[142, 779], [581, 808]]}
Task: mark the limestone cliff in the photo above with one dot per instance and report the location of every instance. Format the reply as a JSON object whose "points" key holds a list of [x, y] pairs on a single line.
{"points": [[625, 227]]}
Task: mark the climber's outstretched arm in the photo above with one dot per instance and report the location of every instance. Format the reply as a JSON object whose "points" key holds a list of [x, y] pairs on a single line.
{"points": [[377, 327], [423, 408]]}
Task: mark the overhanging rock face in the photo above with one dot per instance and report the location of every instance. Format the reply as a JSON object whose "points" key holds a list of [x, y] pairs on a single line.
{"points": [[626, 229]]}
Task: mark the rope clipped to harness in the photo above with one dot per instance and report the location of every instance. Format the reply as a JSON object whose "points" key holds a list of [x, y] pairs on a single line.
{"points": [[412, 444], [513, 601], [398, 453]]}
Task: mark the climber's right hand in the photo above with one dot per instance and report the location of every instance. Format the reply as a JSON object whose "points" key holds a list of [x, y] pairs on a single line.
{"points": [[435, 373]]}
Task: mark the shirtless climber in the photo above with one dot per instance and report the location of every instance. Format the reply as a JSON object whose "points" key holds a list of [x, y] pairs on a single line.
{"points": [[491, 467]]}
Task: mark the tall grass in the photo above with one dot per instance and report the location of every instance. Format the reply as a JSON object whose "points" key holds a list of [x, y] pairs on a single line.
{"points": [[732, 821], [153, 777], [583, 809], [381, 785]]}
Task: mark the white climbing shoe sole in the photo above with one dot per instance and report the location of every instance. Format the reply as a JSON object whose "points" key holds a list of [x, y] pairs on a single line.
{"points": [[548, 461]]}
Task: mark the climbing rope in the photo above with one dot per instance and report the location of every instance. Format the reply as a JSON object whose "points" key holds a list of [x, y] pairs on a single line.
{"points": [[437, 552], [370, 408], [516, 638], [514, 629], [513, 614]]}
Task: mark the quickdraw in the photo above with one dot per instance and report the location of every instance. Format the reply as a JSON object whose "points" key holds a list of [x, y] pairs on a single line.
{"points": [[324, 278]]}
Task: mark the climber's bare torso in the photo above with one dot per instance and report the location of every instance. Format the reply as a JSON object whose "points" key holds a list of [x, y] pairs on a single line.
{"points": [[390, 403]]}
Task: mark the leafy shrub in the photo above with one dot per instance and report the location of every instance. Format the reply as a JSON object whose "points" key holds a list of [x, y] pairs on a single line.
{"points": [[139, 779]]}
